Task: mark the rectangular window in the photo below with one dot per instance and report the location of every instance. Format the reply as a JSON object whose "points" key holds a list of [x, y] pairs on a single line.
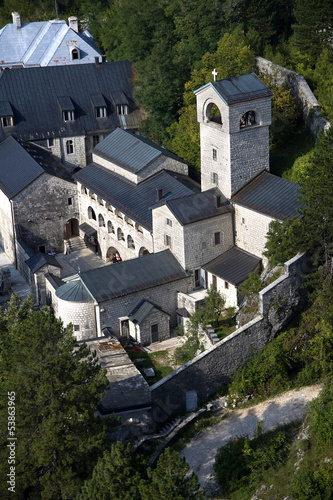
{"points": [[100, 112], [197, 277], [214, 154], [122, 109], [68, 116], [214, 178], [168, 240], [226, 284], [7, 121], [50, 143], [70, 147], [217, 238], [76, 328], [169, 222], [214, 283], [70, 201], [203, 245]]}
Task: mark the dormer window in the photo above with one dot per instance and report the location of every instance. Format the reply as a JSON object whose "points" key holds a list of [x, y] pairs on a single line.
{"points": [[75, 54], [67, 108], [122, 109], [100, 111], [6, 114], [120, 102], [7, 121]]}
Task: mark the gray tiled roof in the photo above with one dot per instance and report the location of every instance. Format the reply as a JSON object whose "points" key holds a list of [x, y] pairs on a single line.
{"points": [[74, 291], [233, 266], [141, 311], [239, 88], [20, 165], [44, 43], [33, 94], [199, 206], [116, 280], [270, 195], [41, 259], [131, 151], [134, 200]]}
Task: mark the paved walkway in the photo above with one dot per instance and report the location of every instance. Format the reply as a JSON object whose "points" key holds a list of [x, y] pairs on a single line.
{"points": [[281, 410], [79, 261], [18, 284]]}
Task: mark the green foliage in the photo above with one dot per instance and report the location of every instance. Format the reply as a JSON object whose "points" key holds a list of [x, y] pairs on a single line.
{"points": [[322, 415], [284, 240], [57, 386], [122, 474], [251, 286], [214, 304], [242, 461]]}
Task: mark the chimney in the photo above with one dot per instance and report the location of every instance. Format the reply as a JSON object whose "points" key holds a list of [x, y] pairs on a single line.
{"points": [[96, 61], [159, 194], [73, 23], [103, 59], [16, 19]]}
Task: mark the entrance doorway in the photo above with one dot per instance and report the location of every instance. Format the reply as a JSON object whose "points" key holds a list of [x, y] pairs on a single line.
{"points": [[72, 228]]}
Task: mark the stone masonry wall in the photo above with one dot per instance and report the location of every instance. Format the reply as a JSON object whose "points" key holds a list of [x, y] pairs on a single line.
{"points": [[299, 89], [192, 244], [279, 303], [7, 240], [164, 296], [42, 210], [251, 230]]}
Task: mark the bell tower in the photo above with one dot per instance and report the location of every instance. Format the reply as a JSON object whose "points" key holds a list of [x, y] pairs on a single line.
{"points": [[234, 116]]}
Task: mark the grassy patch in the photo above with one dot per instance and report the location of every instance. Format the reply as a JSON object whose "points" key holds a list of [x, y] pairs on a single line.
{"points": [[227, 324], [157, 360]]}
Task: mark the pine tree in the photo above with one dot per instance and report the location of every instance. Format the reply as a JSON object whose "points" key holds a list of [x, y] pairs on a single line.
{"points": [[57, 386]]}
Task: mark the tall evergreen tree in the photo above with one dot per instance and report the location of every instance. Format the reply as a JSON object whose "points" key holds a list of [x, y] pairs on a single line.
{"points": [[57, 386]]}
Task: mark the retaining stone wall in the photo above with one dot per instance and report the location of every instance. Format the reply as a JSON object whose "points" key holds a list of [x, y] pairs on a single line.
{"points": [[279, 303], [299, 89]]}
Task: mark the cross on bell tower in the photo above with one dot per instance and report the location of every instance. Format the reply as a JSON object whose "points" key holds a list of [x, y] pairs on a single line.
{"points": [[214, 73]]}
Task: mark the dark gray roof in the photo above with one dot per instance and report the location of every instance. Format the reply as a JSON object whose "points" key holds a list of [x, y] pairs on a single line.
{"points": [[22, 164], [116, 280], [199, 206], [270, 195], [233, 266], [34, 95], [41, 259], [134, 200], [141, 311], [74, 291], [130, 151], [239, 88]]}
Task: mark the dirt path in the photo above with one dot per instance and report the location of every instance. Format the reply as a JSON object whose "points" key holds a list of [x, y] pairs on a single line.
{"points": [[282, 409]]}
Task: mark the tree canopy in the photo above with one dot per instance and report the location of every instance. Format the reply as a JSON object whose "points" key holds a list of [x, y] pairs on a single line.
{"points": [[58, 385]]}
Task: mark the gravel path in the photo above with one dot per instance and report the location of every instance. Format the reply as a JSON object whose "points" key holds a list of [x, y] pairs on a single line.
{"points": [[282, 409]]}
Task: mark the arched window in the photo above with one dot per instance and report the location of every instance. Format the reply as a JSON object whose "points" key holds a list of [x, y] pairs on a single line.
{"points": [[130, 242], [120, 234], [69, 147], [91, 213], [101, 222], [75, 54], [213, 114], [248, 119], [110, 227]]}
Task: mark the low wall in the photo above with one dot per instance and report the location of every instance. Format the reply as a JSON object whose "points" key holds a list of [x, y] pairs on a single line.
{"points": [[299, 89], [202, 376]]}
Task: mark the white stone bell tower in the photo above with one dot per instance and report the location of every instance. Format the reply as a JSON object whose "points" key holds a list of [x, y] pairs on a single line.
{"points": [[234, 116]]}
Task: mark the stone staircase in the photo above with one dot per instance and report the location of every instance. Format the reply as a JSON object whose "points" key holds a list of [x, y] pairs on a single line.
{"points": [[76, 243]]}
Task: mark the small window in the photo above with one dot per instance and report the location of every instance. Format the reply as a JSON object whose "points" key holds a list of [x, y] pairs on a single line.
{"points": [[69, 201], [130, 242], [76, 328], [203, 245], [50, 143], [100, 112], [129, 221], [101, 221], [248, 119], [120, 234], [122, 109], [7, 121], [243, 220], [68, 116], [95, 140], [75, 54], [217, 238], [214, 178], [70, 147], [168, 240], [110, 227], [100, 200], [91, 213], [169, 222], [214, 282], [138, 228], [214, 154], [118, 214], [226, 284]]}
